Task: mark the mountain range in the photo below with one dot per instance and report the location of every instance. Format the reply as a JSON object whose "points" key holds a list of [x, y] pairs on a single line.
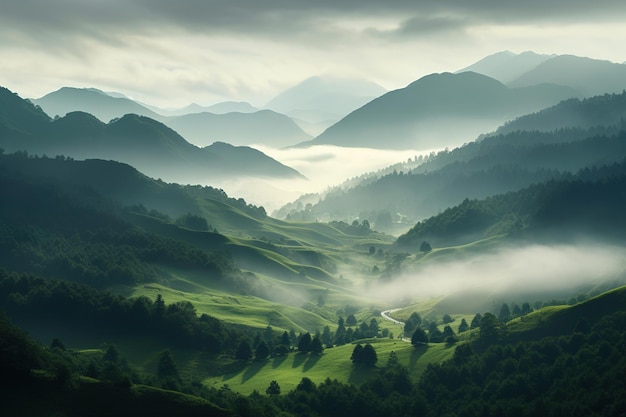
{"points": [[436, 111], [263, 127], [552, 144], [589, 77], [143, 142]]}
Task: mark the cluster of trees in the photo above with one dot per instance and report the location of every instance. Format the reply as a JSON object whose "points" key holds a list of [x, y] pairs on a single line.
{"points": [[355, 228], [85, 308], [349, 330], [364, 355], [574, 374]]}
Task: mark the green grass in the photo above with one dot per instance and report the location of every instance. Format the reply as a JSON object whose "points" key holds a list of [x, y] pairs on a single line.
{"points": [[334, 363]]}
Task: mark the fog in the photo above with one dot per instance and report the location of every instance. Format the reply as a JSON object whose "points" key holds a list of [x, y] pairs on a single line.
{"points": [[530, 273], [323, 166]]}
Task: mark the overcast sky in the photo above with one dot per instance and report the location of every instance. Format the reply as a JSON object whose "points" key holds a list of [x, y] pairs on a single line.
{"points": [[170, 53]]}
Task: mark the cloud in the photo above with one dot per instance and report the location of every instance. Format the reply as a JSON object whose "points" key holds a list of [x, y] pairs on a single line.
{"points": [[538, 271], [172, 53]]}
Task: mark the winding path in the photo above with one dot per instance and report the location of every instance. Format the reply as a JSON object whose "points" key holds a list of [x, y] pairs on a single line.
{"points": [[385, 314]]}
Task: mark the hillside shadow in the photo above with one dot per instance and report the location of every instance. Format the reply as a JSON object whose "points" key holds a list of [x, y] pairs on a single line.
{"points": [[360, 373], [311, 361], [278, 360], [418, 352], [298, 359], [252, 370]]}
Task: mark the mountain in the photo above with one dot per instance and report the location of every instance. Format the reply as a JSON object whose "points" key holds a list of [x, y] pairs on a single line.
{"points": [[323, 100], [519, 154], [138, 140], [506, 66], [589, 206], [589, 76], [218, 108], [90, 100], [262, 127], [436, 111]]}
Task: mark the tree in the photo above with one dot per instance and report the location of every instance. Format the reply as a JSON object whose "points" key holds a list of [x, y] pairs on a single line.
{"points": [[305, 385], [476, 321], [448, 335], [412, 323], [316, 345], [356, 354], [368, 355], [304, 344], [262, 351], [435, 336], [167, 367], [505, 313], [419, 337], [490, 328], [447, 319], [285, 339], [244, 351], [351, 320], [374, 328], [159, 306], [273, 388], [526, 308], [192, 221], [463, 327], [327, 337], [425, 247]]}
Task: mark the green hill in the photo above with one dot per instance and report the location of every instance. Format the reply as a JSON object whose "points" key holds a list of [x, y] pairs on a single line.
{"points": [[590, 205]]}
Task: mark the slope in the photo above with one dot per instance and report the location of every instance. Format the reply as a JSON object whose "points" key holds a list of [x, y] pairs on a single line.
{"points": [[588, 76], [143, 142], [436, 111], [590, 205], [262, 127], [506, 66], [518, 154], [93, 101]]}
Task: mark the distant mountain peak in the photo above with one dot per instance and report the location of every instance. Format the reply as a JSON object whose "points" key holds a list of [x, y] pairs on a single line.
{"points": [[505, 66]]}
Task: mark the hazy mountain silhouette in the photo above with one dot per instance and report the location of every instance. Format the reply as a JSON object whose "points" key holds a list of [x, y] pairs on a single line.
{"points": [[147, 144], [506, 66], [589, 76], [436, 111], [218, 108], [323, 100], [262, 127], [93, 101]]}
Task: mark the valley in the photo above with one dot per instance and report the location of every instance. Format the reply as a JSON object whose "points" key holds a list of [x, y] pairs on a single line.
{"points": [[446, 248]]}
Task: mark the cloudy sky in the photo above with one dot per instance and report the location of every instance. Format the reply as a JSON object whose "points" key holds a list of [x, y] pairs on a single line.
{"points": [[170, 53]]}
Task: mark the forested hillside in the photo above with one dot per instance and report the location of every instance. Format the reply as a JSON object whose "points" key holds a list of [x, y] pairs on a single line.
{"points": [[497, 163], [588, 205]]}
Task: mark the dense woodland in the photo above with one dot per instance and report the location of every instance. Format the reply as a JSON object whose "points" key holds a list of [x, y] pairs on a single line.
{"points": [[574, 374]]}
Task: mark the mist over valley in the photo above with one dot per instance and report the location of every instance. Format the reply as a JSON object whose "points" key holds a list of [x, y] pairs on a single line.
{"points": [[235, 258]]}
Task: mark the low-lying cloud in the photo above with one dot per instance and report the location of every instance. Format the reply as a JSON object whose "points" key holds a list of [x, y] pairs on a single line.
{"points": [[528, 273]]}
